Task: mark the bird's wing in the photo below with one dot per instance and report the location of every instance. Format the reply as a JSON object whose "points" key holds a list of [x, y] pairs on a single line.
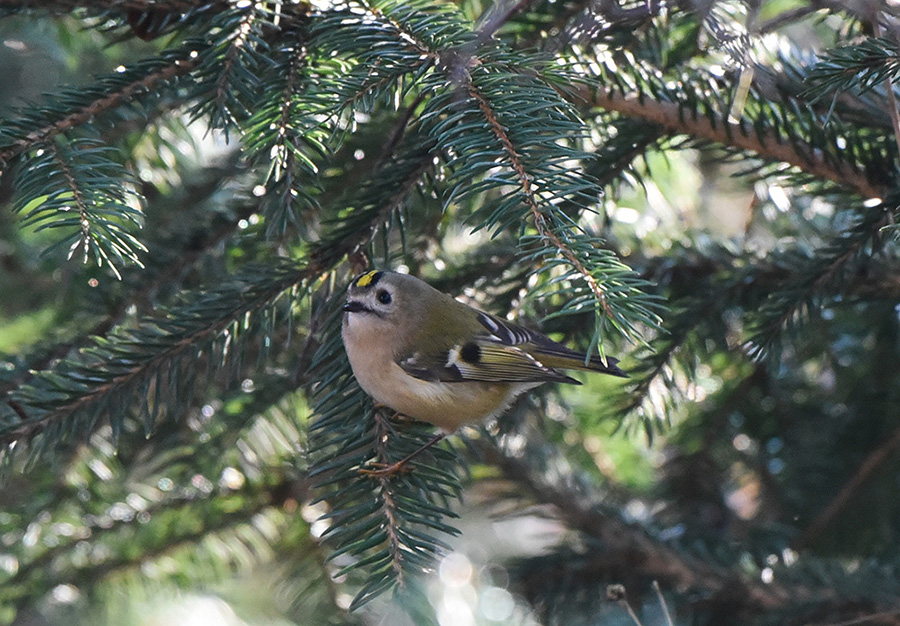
{"points": [[550, 353], [501, 352], [481, 359]]}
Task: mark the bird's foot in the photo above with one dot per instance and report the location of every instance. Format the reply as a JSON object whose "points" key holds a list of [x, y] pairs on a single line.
{"points": [[385, 470], [392, 415]]}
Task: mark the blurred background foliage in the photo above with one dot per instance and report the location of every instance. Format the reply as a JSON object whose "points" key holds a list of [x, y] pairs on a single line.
{"points": [[188, 187]]}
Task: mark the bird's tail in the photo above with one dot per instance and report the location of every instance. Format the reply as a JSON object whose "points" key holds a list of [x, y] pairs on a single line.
{"points": [[570, 359]]}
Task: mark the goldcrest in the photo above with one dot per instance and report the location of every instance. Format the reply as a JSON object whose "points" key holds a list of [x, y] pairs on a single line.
{"points": [[430, 357]]}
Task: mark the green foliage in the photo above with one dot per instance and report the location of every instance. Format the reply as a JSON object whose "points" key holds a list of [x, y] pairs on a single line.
{"points": [[90, 193], [857, 68], [178, 419], [386, 524]]}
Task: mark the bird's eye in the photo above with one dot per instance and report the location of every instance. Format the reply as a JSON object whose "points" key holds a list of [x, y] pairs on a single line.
{"points": [[384, 297]]}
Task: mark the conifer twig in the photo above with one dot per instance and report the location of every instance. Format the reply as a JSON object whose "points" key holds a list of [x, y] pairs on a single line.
{"points": [[59, 6], [645, 555], [673, 117], [95, 108], [662, 603], [866, 470], [141, 297], [388, 508], [889, 90], [538, 216]]}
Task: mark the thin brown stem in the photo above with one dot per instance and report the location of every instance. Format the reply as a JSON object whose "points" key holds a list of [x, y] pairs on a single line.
{"points": [[786, 17], [889, 90], [662, 603], [95, 108], [497, 15], [388, 506], [674, 118], [843, 498], [538, 216], [624, 543], [884, 618]]}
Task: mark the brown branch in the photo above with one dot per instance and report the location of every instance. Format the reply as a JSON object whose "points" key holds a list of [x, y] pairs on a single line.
{"points": [[865, 472], [95, 108], [84, 215], [64, 6], [399, 130], [644, 555], [674, 118], [540, 219], [29, 428], [321, 259], [382, 435], [496, 15], [785, 17]]}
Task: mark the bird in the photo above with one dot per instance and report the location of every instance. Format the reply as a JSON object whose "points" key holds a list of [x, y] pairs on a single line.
{"points": [[428, 356]]}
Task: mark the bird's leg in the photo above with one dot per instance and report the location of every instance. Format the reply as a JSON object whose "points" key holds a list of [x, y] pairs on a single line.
{"points": [[387, 470], [395, 416]]}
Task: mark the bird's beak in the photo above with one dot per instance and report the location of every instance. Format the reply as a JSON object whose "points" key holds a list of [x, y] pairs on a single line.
{"points": [[354, 306]]}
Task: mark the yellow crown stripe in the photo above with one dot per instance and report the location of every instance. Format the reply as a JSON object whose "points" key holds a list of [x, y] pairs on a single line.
{"points": [[365, 279]]}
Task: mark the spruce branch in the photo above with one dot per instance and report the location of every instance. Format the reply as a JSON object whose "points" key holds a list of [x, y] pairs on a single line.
{"points": [[891, 97], [287, 138], [623, 542], [228, 68], [860, 67], [384, 526], [812, 277], [155, 458], [229, 525], [678, 118], [157, 274], [395, 45], [80, 391], [865, 472], [80, 188], [538, 218], [114, 96], [66, 6], [388, 507], [520, 150], [230, 303]]}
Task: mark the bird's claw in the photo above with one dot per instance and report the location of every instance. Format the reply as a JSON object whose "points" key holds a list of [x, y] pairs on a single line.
{"points": [[384, 470]]}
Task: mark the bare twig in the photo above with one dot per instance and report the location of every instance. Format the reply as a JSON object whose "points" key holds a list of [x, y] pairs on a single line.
{"points": [[672, 117], [497, 15], [617, 594], [786, 17], [889, 90], [662, 604], [95, 108], [885, 618], [645, 555], [868, 468]]}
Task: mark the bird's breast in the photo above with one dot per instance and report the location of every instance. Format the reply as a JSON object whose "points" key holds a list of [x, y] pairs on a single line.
{"points": [[445, 404]]}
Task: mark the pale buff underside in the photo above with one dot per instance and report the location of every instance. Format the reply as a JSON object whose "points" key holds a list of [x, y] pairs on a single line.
{"points": [[447, 405]]}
